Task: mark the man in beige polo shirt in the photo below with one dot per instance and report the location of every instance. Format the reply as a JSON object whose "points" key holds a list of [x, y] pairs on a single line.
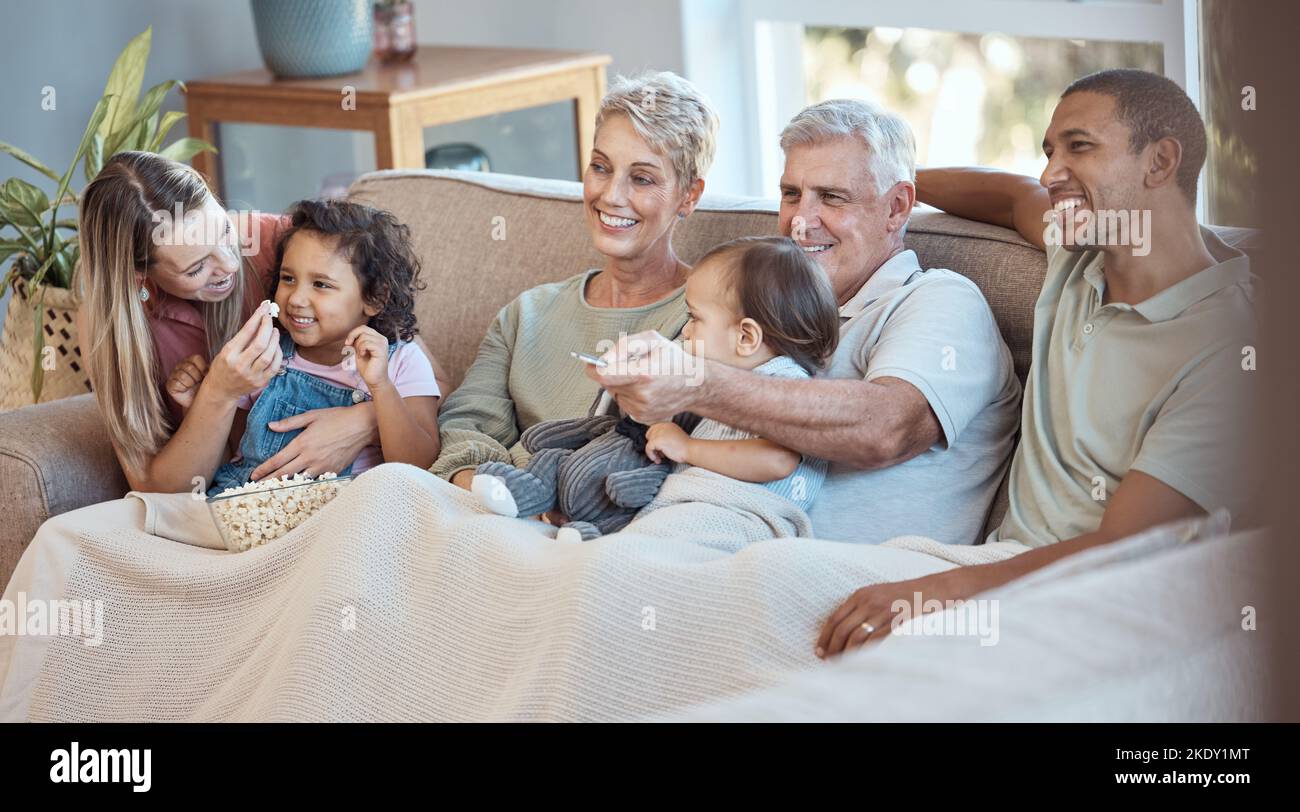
{"points": [[1138, 401]]}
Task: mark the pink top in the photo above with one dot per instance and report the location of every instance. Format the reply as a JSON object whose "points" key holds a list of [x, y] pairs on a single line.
{"points": [[408, 368], [177, 325]]}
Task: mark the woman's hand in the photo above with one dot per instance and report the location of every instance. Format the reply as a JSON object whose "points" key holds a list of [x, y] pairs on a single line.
{"points": [[331, 440], [248, 361], [667, 440], [184, 381], [370, 354]]}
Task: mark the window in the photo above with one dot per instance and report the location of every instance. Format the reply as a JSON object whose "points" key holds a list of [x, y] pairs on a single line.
{"points": [[1228, 184], [976, 79], [971, 99]]}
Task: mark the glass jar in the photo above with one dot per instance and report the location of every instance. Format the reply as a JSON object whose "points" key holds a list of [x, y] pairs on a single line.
{"points": [[394, 31]]}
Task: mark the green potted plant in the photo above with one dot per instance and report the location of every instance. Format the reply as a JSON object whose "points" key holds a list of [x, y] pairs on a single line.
{"points": [[43, 246]]}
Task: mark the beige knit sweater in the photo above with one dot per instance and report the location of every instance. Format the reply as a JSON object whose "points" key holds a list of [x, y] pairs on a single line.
{"points": [[523, 373]]}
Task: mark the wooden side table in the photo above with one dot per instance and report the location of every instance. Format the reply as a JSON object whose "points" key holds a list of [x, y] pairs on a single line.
{"points": [[396, 102]]}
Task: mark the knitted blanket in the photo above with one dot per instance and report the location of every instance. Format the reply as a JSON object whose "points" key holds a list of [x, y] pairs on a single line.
{"points": [[1155, 628], [403, 600], [719, 511]]}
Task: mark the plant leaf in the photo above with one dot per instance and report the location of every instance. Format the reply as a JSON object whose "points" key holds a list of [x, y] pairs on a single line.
{"points": [[23, 203], [94, 157], [34, 285], [169, 119], [185, 148], [39, 276], [96, 118], [38, 372], [135, 139], [27, 158], [149, 128], [126, 137], [61, 264], [124, 84], [11, 214], [33, 244], [74, 254]]}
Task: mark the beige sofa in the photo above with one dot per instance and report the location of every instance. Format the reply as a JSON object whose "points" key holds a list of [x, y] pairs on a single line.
{"points": [[483, 239]]}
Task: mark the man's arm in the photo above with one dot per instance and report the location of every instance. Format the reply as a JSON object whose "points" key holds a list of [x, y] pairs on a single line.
{"points": [[864, 424], [989, 196], [909, 393], [1140, 503]]}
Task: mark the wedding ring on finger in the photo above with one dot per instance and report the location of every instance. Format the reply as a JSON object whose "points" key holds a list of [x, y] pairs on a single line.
{"points": [[868, 628]]}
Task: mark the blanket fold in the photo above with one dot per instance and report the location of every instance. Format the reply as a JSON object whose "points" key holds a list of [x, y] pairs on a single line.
{"points": [[179, 517], [720, 511]]}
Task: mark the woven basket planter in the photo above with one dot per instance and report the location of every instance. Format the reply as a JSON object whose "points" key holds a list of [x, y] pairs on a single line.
{"points": [[18, 349]]}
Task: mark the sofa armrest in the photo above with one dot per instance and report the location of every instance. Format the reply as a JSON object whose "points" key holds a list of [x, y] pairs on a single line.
{"points": [[54, 457]]}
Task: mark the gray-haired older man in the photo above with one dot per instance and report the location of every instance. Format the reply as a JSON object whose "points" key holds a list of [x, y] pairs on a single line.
{"points": [[918, 407]]}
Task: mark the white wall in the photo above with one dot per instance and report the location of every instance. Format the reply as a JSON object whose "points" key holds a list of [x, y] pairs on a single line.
{"points": [[638, 35], [712, 48]]}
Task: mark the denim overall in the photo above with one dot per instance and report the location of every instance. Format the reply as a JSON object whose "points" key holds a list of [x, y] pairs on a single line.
{"points": [[290, 392]]}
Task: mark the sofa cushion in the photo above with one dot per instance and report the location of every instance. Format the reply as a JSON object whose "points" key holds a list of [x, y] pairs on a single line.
{"points": [[485, 238]]}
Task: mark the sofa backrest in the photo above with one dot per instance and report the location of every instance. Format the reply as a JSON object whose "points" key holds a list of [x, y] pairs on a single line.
{"points": [[483, 239]]}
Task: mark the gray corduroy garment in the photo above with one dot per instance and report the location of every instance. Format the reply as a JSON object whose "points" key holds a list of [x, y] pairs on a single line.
{"points": [[596, 475]]}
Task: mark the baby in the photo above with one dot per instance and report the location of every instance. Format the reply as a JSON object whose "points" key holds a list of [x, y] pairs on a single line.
{"points": [[761, 304], [758, 304]]}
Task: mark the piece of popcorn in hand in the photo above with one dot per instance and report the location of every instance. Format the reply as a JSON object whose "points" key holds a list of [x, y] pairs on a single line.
{"points": [[272, 309]]}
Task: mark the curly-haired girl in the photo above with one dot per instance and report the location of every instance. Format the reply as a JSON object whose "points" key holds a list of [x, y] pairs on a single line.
{"points": [[344, 292]]}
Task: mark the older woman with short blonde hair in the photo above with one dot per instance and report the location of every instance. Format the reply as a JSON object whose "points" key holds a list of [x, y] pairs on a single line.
{"points": [[654, 142]]}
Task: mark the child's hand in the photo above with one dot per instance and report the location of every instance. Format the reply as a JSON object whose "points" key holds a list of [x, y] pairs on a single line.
{"points": [[184, 381], [370, 353], [667, 440]]}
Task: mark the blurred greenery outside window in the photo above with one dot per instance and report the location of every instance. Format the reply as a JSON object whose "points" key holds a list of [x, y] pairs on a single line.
{"points": [[986, 99]]}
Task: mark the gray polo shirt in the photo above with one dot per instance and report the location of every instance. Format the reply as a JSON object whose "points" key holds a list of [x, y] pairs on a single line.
{"points": [[1159, 387], [933, 329]]}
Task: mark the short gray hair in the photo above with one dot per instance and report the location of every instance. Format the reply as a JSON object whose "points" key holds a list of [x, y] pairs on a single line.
{"points": [[671, 115], [887, 136]]}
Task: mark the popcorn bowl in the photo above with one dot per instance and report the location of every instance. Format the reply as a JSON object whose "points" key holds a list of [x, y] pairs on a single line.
{"points": [[257, 513]]}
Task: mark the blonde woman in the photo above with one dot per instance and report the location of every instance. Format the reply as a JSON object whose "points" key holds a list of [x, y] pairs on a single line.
{"points": [[165, 289], [654, 142]]}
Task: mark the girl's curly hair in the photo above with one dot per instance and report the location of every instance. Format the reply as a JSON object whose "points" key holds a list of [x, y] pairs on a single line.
{"points": [[379, 248]]}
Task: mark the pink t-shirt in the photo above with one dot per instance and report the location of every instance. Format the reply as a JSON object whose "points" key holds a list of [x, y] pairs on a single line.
{"points": [[408, 368]]}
